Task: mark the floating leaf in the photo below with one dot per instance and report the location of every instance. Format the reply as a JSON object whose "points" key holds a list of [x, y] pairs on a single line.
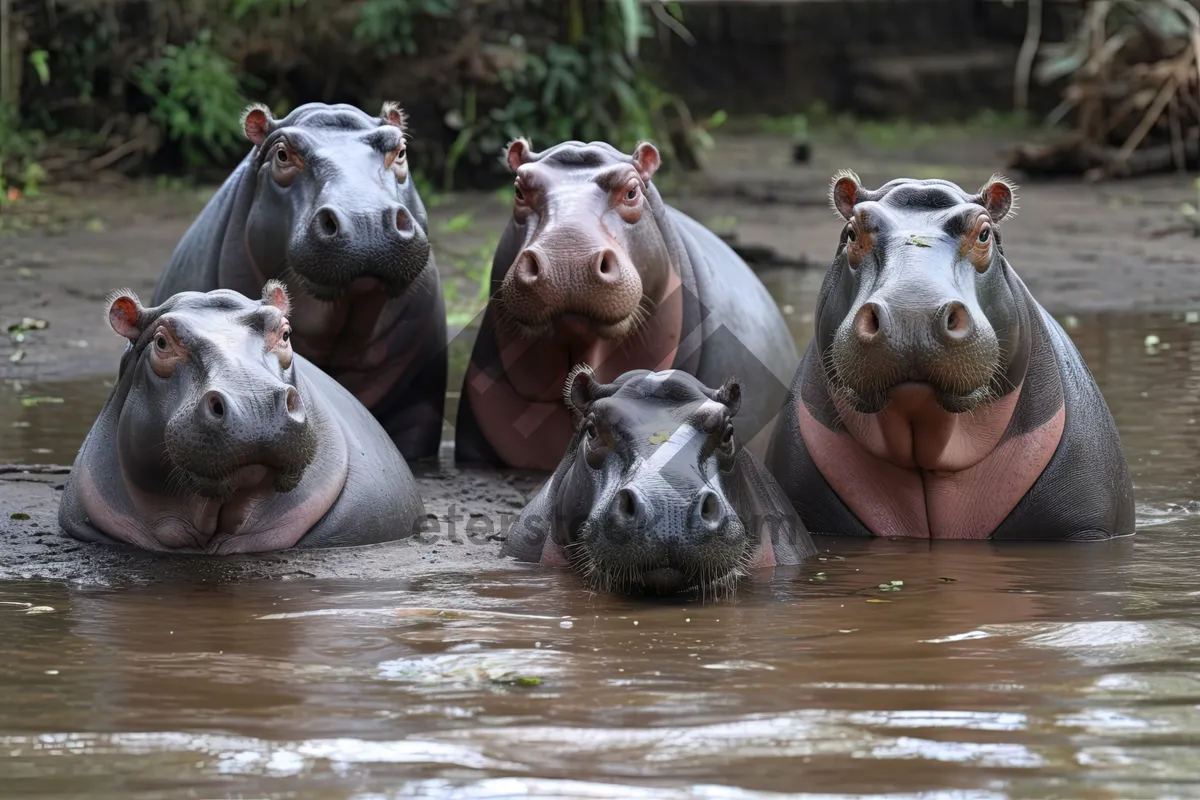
{"points": [[19, 515], [918, 241], [659, 437], [877, 600], [30, 402], [17, 356]]}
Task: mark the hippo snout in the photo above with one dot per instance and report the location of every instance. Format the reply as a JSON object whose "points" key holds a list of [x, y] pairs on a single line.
{"points": [[227, 430], [946, 344], [543, 285], [666, 542], [340, 245]]}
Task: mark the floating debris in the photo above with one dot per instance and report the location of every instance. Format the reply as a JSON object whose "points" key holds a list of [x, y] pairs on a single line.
{"points": [[30, 402], [19, 515]]}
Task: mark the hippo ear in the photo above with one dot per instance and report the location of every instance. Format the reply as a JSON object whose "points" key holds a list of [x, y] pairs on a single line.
{"points": [[843, 192], [730, 395], [520, 151], [393, 114], [646, 160], [580, 389], [125, 313], [999, 197], [257, 123], [275, 294]]}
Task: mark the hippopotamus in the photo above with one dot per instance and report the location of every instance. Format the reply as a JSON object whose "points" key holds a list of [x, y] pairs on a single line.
{"points": [[937, 398], [595, 268], [325, 203], [655, 493], [218, 438]]}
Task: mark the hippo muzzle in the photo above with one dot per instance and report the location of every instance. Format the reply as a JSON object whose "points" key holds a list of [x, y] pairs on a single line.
{"points": [[343, 243], [665, 536], [236, 435]]}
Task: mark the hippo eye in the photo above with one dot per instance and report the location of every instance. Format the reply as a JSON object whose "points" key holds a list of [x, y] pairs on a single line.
{"points": [[851, 236], [517, 193], [632, 194], [984, 235], [287, 335], [727, 436], [589, 431], [281, 156], [160, 342]]}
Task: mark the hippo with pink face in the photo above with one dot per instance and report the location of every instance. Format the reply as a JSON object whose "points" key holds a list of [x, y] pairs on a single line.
{"points": [[656, 493], [594, 268], [217, 438], [938, 399], [325, 203]]}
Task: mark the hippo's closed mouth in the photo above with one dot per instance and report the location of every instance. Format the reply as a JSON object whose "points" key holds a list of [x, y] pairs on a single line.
{"points": [[907, 390], [247, 477]]}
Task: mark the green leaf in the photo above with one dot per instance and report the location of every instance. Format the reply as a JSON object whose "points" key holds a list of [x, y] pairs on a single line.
{"points": [[40, 61], [20, 515]]}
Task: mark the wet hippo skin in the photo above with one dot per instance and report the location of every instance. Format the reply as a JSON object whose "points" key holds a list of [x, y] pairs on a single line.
{"points": [[656, 493], [217, 438], [937, 397], [324, 202], [594, 268]]}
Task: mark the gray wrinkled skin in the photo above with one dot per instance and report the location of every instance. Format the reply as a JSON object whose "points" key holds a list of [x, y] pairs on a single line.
{"points": [[656, 494], [324, 202], [217, 439]]}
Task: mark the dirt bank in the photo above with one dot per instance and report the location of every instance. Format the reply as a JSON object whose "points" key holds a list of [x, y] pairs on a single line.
{"points": [[1079, 248]]}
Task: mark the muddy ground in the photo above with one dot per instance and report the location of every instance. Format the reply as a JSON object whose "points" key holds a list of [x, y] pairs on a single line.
{"points": [[1078, 247]]}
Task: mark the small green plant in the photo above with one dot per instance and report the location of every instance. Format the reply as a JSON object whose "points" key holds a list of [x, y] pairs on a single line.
{"points": [[388, 24], [197, 98]]}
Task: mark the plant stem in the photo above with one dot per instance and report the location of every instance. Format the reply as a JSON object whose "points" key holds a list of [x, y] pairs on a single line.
{"points": [[5, 53]]}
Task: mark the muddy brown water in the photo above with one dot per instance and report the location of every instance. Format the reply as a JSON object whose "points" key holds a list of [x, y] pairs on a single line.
{"points": [[994, 671]]}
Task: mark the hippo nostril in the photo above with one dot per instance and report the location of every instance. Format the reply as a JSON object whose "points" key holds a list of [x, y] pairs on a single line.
{"points": [[327, 222], [867, 323], [527, 268], [404, 222], [607, 266], [710, 509], [214, 406], [955, 321], [627, 507], [625, 503]]}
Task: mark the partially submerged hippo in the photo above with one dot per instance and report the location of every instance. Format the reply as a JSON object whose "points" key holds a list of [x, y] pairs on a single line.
{"points": [[218, 439], [655, 492], [324, 202], [937, 398], [594, 268]]}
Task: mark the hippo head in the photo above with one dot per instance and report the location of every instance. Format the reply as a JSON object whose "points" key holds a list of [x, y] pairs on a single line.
{"points": [[211, 402], [918, 306], [334, 207], [588, 249], [649, 489]]}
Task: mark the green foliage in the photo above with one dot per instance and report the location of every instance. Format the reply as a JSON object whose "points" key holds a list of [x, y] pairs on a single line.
{"points": [[575, 75], [388, 24], [19, 151], [588, 89], [197, 98]]}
